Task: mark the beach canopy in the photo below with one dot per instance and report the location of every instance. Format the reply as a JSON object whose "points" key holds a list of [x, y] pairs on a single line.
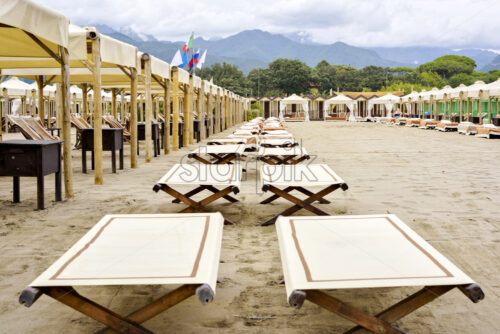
{"points": [[477, 89], [340, 100], [15, 87], [457, 91], [26, 23], [387, 100], [494, 88], [294, 99]]}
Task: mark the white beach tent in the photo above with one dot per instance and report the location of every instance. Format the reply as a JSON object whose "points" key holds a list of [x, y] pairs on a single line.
{"points": [[294, 99], [494, 88], [477, 90], [388, 100], [341, 99], [16, 87]]}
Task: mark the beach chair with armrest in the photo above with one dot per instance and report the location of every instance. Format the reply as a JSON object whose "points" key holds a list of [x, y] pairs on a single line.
{"points": [[113, 123], [30, 128], [364, 252], [171, 249]]}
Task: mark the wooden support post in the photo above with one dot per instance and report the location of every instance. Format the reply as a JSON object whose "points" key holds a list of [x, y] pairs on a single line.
{"points": [[210, 107], [3, 111], [114, 108], [149, 106], [96, 72], [200, 107], [217, 111], [41, 105], [191, 111], [122, 107], [489, 110], [224, 110], [166, 117], [480, 110], [85, 106], [66, 126], [133, 117], [186, 106], [157, 108], [175, 109]]}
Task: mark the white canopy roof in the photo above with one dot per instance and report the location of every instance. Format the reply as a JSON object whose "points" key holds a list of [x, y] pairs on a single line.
{"points": [[494, 88], [294, 99], [388, 98], [412, 96], [48, 25], [445, 92], [16, 87], [455, 93], [474, 90], [339, 99], [47, 90]]}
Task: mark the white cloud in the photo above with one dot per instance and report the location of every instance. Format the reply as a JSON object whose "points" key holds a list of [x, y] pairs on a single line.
{"points": [[455, 23]]}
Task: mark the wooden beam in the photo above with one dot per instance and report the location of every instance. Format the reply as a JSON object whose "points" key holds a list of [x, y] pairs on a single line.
{"points": [[166, 117], [158, 80], [201, 113], [124, 70], [175, 109], [114, 109], [66, 124], [85, 103], [133, 118], [45, 48], [186, 110], [96, 82], [149, 107]]}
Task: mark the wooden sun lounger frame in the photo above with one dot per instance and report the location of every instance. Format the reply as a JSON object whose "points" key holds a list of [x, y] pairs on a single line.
{"points": [[31, 128], [299, 203], [291, 159], [113, 123], [199, 206], [219, 159], [115, 322], [381, 322]]}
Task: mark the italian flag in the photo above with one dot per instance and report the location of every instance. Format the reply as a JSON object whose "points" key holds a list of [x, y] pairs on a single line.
{"points": [[189, 44]]}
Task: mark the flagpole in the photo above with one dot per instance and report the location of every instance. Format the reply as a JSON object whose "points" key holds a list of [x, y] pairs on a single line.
{"points": [[194, 67]]}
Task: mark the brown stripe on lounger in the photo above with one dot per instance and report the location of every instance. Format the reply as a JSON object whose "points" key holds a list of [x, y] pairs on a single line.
{"points": [[413, 242], [173, 173], [193, 272], [326, 170]]}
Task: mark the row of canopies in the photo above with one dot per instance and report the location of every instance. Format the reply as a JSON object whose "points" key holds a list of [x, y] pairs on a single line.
{"points": [[39, 43]]}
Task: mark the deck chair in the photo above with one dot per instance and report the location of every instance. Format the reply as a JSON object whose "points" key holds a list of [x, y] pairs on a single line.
{"points": [[428, 124], [217, 154], [488, 131], [203, 177], [182, 249], [446, 125], [282, 155], [113, 123], [282, 179], [79, 123], [278, 143], [30, 128], [352, 252], [467, 128]]}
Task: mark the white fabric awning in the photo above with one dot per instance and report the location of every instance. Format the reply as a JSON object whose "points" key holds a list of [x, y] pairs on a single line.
{"points": [[294, 99], [16, 87], [475, 90], [339, 99]]}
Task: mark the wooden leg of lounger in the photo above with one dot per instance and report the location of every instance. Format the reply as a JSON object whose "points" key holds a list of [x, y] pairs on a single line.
{"points": [[275, 197], [113, 161], [71, 298], [226, 197], [58, 186], [16, 190], [299, 204], [409, 304], [310, 193], [161, 304], [84, 161], [190, 193], [348, 312], [267, 160], [227, 159], [121, 158], [299, 160], [200, 159]]}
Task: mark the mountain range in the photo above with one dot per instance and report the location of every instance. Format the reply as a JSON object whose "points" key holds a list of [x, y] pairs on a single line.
{"points": [[251, 49]]}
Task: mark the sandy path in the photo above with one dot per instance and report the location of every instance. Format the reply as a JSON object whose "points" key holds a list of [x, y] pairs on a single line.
{"points": [[445, 186]]}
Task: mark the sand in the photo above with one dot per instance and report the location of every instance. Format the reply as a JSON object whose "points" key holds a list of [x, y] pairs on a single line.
{"points": [[443, 185]]}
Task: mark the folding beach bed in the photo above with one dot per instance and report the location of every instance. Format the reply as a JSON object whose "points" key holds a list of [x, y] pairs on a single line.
{"points": [[202, 177], [467, 128], [159, 249], [252, 141], [278, 143], [282, 179], [446, 125], [488, 131], [412, 122], [227, 141], [282, 155], [219, 154], [428, 124], [361, 252]]}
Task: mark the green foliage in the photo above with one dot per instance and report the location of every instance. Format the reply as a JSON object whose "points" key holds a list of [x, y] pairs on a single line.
{"points": [[405, 87], [291, 75], [461, 78], [227, 76], [255, 111], [447, 66], [431, 79]]}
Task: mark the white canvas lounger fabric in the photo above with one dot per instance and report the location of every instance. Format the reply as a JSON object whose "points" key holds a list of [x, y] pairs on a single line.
{"points": [[199, 174], [143, 250], [299, 175], [218, 154], [282, 155], [277, 142], [220, 149], [228, 141], [363, 252]]}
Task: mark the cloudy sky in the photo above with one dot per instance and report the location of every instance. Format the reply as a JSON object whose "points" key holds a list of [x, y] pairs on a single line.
{"points": [[452, 23]]}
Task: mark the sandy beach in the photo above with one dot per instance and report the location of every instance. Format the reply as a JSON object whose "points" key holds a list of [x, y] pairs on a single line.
{"points": [[445, 186]]}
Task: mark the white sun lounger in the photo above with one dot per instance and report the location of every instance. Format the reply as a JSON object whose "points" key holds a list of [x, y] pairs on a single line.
{"points": [[159, 249], [359, 252], [227, 141], [467, 128], [219, 154], [282, 179], [278, 143], [488, 131], [202, 177], [282, 155]]}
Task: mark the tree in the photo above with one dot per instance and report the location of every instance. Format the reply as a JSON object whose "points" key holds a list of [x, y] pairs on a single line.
{"points": [[431, 79], [447, 66], [290, 75], [227, 76], [461, 78], [374, 77]]}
